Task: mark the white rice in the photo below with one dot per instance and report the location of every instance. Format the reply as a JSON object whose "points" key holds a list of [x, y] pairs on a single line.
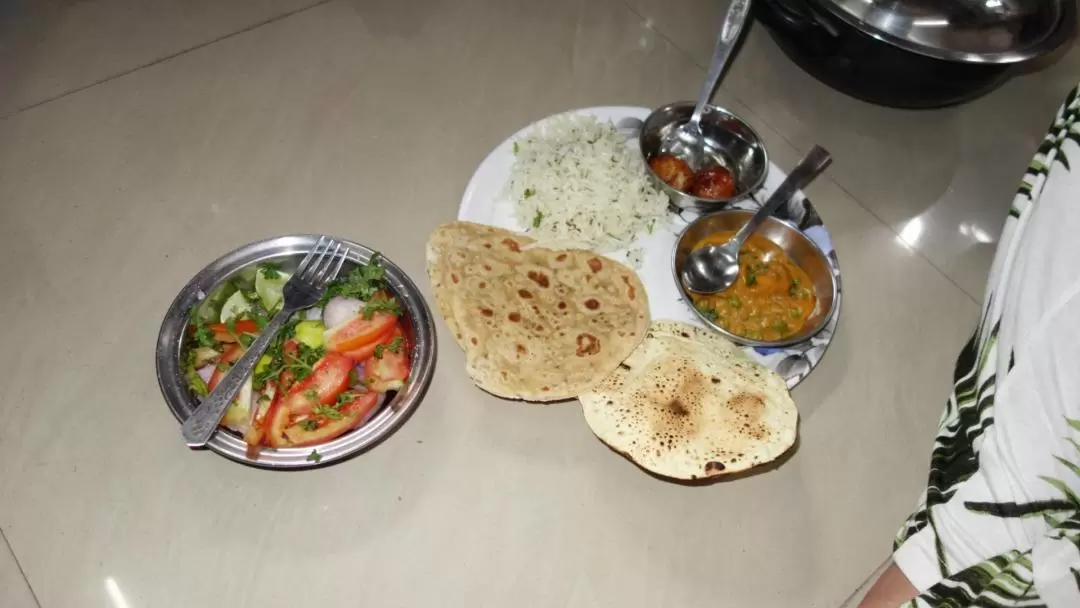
{"points": [[575, 182]]}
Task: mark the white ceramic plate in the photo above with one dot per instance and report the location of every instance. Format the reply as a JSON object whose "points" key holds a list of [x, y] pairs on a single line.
{"points": [[486, 202]]}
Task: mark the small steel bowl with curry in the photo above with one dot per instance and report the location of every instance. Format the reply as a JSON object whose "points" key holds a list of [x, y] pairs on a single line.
{"points": [[785, 292]]}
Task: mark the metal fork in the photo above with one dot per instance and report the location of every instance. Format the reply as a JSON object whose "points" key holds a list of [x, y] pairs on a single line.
{"points": [[302, 290]]}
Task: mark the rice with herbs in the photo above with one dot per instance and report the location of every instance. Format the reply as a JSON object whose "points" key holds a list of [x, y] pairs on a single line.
{"points": [[575, 182]]}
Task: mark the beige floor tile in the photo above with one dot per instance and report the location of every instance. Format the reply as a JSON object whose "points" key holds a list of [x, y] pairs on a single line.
{"points": [[14, 591], [367, 122], [50, 47], [946, 175]]}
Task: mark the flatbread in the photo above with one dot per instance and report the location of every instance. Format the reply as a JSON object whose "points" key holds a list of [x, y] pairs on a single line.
{"points": [[535, 323], [688, 404]]}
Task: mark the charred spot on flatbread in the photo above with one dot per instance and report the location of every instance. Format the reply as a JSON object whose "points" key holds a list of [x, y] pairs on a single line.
{"points": [[587, 344]]}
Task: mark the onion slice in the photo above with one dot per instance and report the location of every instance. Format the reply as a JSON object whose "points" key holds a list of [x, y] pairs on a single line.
{"points": [[339, 310]]}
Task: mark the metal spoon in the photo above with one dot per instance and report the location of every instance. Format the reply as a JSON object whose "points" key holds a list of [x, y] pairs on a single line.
{"points": [[689, 133], [714, 268]]}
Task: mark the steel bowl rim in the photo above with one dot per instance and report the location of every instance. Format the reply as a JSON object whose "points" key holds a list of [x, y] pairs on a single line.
{"points": [[834, 282], [392, 415], [718, 202]]}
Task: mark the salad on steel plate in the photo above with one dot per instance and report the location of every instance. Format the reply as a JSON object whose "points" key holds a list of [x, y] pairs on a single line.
{"points": [[326, 373]]}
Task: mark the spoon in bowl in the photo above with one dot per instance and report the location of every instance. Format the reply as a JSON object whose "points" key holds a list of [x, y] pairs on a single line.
{"points": [[689, 133], [714, 268]]}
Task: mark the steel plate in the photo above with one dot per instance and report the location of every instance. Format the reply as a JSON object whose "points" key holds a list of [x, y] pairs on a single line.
{"points": [[288, 251]]}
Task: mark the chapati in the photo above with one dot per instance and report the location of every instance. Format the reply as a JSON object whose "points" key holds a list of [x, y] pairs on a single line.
{"points": [[688, 404], [535, 323]]}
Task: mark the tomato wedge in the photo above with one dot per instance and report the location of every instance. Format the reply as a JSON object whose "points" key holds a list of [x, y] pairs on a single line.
{"points": [[222, 333], [365, 352], [277, 420], [329, 378], [260, 412], [358, 332], [230, 355], [388, 372], [353, 413], [360, 406]]}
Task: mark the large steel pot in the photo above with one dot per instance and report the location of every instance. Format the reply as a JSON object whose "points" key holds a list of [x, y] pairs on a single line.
{"points": [[917, 53]]}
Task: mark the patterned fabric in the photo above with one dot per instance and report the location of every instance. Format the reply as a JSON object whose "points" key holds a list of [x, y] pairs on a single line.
{"points": [[999, 521]]}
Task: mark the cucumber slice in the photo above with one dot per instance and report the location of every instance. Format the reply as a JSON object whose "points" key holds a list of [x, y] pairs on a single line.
{"points": [[209, 310], [310, 333], [238, 416], [269, 288], [235, 306]]}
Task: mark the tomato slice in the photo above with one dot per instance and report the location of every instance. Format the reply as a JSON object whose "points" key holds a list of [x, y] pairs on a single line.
{"points": [[360, 406], [328, 379], [260, 412], [388, 372], [277, 420], [365, 352], [230, 355], [222, 333], [353, 413], [358, 332]]}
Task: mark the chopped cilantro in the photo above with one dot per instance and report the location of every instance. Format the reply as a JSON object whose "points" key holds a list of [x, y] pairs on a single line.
{"points": [[393, 346], [734, 302], [196, 383], [203, 335], [328, 412], [309, 424], [529, 192], [354, 377], [270, 272], [311, 394], [314, 456], [305, 360], [539, 218], [515, 148], [389, 305], [793, 290], [361, 282], [794, 313], [706, 310], [346, 397]]}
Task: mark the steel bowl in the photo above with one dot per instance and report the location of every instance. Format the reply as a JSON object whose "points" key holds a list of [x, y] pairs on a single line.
{"points": [[799, 247], [729, 142], [287, 251]]}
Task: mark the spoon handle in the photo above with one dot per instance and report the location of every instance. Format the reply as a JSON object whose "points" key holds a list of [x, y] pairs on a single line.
{"points": [[811, 166], [725, 43]]}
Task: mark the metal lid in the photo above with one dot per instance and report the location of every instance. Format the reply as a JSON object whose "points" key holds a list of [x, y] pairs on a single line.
{"points": [[975, 31]]}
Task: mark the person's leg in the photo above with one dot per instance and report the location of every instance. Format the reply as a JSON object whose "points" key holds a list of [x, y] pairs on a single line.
{"points": [[890, 589], [856, 596]]}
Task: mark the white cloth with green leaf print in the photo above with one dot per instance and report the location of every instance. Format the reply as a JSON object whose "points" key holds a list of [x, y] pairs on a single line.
{"points": [[999, 522]]}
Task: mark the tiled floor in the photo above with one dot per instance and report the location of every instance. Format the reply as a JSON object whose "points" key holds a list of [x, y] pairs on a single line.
{"points": [[366, 119], [14, 590]]}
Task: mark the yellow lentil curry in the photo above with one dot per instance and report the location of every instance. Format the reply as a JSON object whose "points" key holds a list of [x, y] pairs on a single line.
{"points": [[771, 299]]}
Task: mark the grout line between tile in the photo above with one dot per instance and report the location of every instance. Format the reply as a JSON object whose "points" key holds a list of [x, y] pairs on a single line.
{"points": [[22, 572], [976, 299], [166, 58]]}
